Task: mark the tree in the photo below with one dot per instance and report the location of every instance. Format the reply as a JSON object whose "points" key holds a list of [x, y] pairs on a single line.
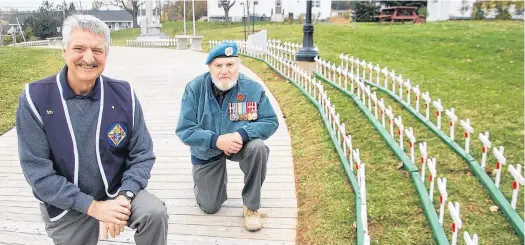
{"points": [[419, 4], [464, 7], [226, 6], [365, 11], [45, 21], [481, 8], [5, 16], [131, 6], [478, 11], [96, 5]]}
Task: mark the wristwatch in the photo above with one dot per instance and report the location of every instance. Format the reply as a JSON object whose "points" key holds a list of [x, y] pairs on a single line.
{"points": [[128, 195]]}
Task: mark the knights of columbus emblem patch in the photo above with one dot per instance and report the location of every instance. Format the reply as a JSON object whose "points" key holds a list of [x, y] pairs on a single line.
{"points": [[116, 134]]}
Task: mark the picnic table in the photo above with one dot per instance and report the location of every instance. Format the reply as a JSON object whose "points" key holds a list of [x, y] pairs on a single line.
{"points": [[400, 13]]}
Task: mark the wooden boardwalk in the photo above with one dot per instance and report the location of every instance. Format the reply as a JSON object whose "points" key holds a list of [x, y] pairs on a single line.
{"points": [[159, 77]]}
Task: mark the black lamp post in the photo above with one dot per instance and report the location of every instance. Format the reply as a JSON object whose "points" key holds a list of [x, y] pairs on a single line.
{"points": [[307, 52]]}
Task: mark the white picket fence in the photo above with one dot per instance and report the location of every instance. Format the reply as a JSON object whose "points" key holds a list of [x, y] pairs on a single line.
{"points": [[281, 57], [398, 85], [152, 43], [344, 78], [31, 43]]}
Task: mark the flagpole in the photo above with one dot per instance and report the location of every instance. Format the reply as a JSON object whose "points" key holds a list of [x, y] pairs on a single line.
{"points": [[184, 14], [193, 9]]}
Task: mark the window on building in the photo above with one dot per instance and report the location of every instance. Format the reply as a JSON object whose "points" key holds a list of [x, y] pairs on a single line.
{"points": [[220, 4], [316, 4]]}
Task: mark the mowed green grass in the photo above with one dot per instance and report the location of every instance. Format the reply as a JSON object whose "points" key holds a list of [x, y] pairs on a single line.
{"points": [[19, 66]]}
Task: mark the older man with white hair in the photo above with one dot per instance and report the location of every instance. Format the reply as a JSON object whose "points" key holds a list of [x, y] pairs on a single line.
{"points": [[84, 147], [227, 115]]}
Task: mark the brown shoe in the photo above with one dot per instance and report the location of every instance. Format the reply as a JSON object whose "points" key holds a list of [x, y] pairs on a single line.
{"points": [[252, 219]]}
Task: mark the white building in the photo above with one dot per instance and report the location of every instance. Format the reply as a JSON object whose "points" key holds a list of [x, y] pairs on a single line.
{"points": [[271, 9], [446, 10]]}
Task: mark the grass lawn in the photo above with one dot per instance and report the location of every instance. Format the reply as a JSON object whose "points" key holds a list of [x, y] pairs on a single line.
{"points": [[19, 66]]}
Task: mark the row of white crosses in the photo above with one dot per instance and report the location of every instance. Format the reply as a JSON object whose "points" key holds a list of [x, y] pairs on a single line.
{"points": [[315, 89], [364, 94], [364, 91], [394, 79]]}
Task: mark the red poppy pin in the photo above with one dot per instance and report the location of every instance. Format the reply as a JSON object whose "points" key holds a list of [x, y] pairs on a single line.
{"points": [[240, 97]]}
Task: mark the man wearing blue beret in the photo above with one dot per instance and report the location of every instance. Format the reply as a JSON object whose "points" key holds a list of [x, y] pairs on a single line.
{"points": [[226, 115]]}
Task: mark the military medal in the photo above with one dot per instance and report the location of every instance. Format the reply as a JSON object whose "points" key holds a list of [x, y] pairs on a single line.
{"points": [[231, 112], [251, 110]]}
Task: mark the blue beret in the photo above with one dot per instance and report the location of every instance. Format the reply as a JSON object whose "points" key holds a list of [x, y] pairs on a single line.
{"points": [[224, 49]]}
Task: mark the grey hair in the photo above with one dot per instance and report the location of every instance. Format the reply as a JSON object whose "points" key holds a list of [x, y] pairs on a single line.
{"points": [[87, 23]]}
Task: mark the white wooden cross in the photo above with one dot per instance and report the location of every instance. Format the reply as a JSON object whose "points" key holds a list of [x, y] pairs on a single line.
{"points": [[452, 118], [408, 86], [369, 95], [431, 164], [377, 69], [393, 79], [362, 190], [456, 221], [357, 164], [334, 73], [350, 148], [518, 180], [427, 100], [342, 57], [400, 128], [382, 109], [351, 61], [390, 116], [358, 86], [370, 69], [327, 66], [358, 63], [385, 73], [501, 160], [363, 64], [340, 73], [411, 142], [374, 99], [443, 196], [323, 66], [416, 91], [356, 81], [470, 240], [439, 109], [363, 91], [484, 138], [345, 75], [468, 131], [399, 80], [424, 155]]}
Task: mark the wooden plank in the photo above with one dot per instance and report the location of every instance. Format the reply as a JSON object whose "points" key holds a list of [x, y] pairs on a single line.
{"points": [[182, 202], [162, 186], [184, 193], [180, 229], [184, 219], [33, 209], [173, 170], [16, 238]]}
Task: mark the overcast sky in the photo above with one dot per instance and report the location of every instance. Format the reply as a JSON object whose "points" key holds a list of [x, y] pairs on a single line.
{"points": [[24, 5]]}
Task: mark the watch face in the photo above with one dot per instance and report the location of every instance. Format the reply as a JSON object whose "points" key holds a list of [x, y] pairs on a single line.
{"points": [[129, 194]]}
